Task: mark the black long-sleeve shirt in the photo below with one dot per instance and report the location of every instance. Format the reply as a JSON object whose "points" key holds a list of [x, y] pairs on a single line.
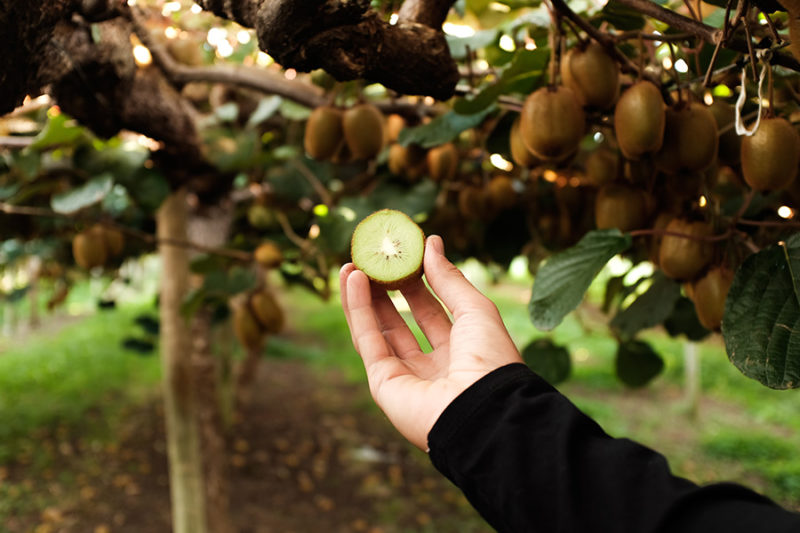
{"points": [[529, 461]]}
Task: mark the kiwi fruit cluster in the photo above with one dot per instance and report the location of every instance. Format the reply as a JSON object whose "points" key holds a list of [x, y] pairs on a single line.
{"points": [[95, 246], [255, 316], [341, 136]]}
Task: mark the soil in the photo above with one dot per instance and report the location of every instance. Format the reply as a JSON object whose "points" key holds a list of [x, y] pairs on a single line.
{"points": [[309, 454]]}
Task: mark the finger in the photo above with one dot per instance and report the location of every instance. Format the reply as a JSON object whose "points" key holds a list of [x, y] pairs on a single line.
{"points": [[428, 313], [344, 273], [449, 284], [364, 326], [393, 327]]}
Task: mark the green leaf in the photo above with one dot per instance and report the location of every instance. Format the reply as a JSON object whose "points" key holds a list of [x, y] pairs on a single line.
{"points": [[563, 278], [60, 129], [442, 129], [550, 361], [266, 108], [649, 309], [761, 325], [89, 193], [637, 363], [684, 321]]}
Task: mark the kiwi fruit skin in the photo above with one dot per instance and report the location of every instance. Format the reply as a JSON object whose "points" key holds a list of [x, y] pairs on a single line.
{"points": [[246, 328], [266, 311], [709, 293], [639, 120], [552, 123], [394, 125], [519, 152], [730, 146], [443, 162], [408, 161], [619, 206], [592, 74], [395, 283], [681, 258], [601, 167], [113, 238], [268, 255], [500, 194], [472, 203], [690, 140], [89, 248], [770, 156], [363, 130], [324, 133]]}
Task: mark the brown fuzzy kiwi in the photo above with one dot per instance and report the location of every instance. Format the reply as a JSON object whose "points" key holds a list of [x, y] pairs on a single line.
{"points": [[408, 161], [500, 194], [363, 130], [592, 74], [601, 167], [388, 246], [683, 258], [186, 51], [443, 162], [709, 294], [394, 125], [472, 203], [552, 123], [268, 255], [770, 156], [639, 120], [266, 311], [620, 206], [690, 140], [246, 328], [89, 248], [114, 239], [729, 151], [519, 152], [324, 134]]}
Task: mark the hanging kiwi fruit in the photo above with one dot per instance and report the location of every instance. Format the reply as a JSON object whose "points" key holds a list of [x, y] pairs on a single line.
{"points": [[500, 194], [363, 128], [592, 74], [601, 167], [408, 161], [266, 311], [268, 255], [683, 258], [394, 125], [519, 152], [94, 246], [324, 132], [246, 328], [620, 206], [770, 156], [709, 293], [639, 120], [442, 162], [552, 123], [690, 139]]}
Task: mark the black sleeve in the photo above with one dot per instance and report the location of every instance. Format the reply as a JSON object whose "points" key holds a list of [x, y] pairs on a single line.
{"points": [[528, 460]]}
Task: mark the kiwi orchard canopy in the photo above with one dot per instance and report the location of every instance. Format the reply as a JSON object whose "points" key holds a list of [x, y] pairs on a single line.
{"points": [[388, 247]]}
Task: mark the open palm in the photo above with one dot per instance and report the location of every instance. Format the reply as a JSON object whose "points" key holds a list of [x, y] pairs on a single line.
{"points": [[412, 387]]}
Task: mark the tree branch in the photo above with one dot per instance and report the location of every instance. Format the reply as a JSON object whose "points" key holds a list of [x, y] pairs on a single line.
{"points": [[431, 13]]}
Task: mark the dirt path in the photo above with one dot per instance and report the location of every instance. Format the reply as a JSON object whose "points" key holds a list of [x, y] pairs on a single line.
{"points": [[309, 455]]}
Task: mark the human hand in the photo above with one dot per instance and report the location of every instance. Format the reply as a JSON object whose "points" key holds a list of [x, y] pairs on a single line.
{"points": [[413, 388]]}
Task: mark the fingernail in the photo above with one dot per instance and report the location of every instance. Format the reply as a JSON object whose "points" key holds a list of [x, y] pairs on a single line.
{"points": [[437, 243]]}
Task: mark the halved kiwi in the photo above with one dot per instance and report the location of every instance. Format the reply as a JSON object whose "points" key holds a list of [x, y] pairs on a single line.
{"points": [[388, 247]]}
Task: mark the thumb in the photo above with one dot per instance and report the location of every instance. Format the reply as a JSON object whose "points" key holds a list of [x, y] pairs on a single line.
{"points": [[447, 281]]}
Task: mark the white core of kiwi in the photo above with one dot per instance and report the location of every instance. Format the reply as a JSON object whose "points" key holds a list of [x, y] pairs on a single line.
{"points": [[388, 246]]}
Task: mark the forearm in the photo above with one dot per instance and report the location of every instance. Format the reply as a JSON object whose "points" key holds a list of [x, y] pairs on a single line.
{"points": [[529, 460]]}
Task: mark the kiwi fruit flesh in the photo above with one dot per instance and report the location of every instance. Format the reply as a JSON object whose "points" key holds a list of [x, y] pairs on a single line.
{"points": [[639, 120], [552, 123], [683, 258], [324, 133], [592, 74], [388, 247], [363, 130], [709, 294], [770, 156]]}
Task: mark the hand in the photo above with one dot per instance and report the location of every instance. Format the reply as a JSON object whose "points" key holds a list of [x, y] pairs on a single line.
{"points": [[413, 388]]}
